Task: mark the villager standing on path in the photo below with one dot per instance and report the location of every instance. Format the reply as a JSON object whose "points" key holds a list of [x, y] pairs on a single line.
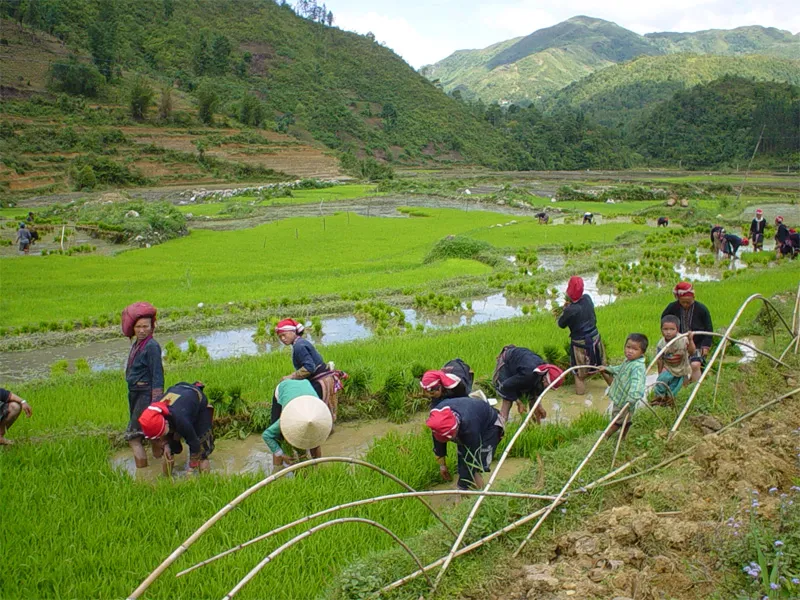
{"points": [[144, 371], [520, 373], [318, 426], [309, 364], [475, 427], [586, 345], [24, 238], [11, 406], [183, 412], [693, 316], [757, 227]]}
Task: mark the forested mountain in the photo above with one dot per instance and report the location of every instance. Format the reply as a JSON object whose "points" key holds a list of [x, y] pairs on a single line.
{"points": [[257, 56], [619, 94], [530, 68], [721, 122]]}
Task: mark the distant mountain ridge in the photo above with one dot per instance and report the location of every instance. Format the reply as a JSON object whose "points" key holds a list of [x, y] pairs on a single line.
{"points": [[528, 68]]}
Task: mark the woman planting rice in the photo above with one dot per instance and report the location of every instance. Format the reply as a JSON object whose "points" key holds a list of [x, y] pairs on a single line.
{"points": [[586, 346], [454, 380], [144, 372], [309, 364], [520, 373]]}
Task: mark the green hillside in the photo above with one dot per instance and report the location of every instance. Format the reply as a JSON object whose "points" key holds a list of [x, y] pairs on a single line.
{"points": [[529, 68], [617, 95], [720, 123], [308, 79], [742, 40]]}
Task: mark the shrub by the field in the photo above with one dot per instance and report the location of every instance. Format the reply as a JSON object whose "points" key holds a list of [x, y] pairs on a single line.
{"points": [[458, 246]]}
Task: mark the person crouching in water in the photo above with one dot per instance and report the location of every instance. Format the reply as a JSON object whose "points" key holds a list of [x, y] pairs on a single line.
{"points": [[673, 366], [586, 346], [520, 373], [476, 428], [627, 382], [183, 412], [757, 227], [588, 218], [309, 364], [454, 380], [286, 393], [732, 243], [144, 374]]}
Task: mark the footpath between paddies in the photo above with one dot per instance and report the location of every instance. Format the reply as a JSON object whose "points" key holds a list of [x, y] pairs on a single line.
{"points": [[80, 529]]}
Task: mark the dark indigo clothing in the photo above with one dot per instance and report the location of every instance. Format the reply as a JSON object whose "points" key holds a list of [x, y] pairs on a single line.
{"points": [[478, 436], [190, 417], [5, 396], [146, 370], [580, 318], [138, 400], [663, 221], [697, 318], [463, 371], [732, 243], [515, 377], [782, 234], [305, 355], [757, 227]]}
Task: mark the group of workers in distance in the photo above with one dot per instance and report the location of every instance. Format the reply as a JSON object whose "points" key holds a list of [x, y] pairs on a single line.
{"points": [[787, 240]]}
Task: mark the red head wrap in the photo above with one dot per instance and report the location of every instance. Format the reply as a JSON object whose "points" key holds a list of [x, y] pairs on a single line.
{"points": [[684, 288], [433, 379], [759, 211], [745, 242], [443, 423], [290, 325], [152, 420], [551, 373], [778, 219], [575, 288]]}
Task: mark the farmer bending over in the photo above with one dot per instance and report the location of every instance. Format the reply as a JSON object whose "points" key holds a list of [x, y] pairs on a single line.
{"points": [[588, 218], [183, 412], [627, 382], [732, 243], [662, 222], [520, 372], [543, 217], [454, 380], [693, 316], [475, 427], [10, 407], [285, 394]]}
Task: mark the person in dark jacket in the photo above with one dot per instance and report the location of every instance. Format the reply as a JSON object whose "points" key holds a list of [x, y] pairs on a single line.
{"points": [[586, 345], [543, 217], [521, 373], [787, 243], [309, 364], [144, 374], [757, 227], [588, 218], [475, 427], [732, 243], [662, 222], [454, 380], [11, 406], [183, 413], [693, 316]]}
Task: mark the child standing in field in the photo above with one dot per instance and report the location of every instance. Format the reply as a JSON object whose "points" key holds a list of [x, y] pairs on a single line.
{"points": [[673, 366], [627, 382]]}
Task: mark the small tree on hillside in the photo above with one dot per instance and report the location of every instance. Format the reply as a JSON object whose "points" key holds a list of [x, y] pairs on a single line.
{"points": [[140, 96], [208, 100], [165, 104]]}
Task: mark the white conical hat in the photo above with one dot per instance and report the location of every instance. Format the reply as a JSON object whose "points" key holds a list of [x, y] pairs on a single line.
{"points": [[306, 422]]}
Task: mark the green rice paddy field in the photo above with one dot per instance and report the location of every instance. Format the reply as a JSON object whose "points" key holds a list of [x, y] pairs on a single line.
{"points": [[74, 527]]}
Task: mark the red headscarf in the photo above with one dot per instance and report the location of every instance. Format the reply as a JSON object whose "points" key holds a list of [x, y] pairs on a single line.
{"points": [[684, 288], [759, 211], [745, 242], [152, 420], [433, 379], [443, 423], [778, 219], [290, 325], [551, 373], [575, 288]]}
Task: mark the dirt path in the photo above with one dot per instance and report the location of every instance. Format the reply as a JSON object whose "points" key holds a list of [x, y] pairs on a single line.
{"points": [[633, 551]]}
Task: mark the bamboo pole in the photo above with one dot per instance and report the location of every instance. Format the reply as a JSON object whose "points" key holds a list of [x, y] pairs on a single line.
{"points": [[619, 440], [253, 489], [247, 578], [503, 531], [706, 371], [495, 471], [549, 509], [355, 503]]}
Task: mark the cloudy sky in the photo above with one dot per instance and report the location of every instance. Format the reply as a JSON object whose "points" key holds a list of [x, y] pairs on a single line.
{"points": [[425, 31]]}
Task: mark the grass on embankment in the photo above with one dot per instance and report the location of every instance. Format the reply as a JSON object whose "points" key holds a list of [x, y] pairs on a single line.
{"points": [[291, 258], [98, 400]]}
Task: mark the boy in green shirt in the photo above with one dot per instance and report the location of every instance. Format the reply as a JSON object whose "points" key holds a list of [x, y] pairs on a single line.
{"points": [[627, 381]]}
